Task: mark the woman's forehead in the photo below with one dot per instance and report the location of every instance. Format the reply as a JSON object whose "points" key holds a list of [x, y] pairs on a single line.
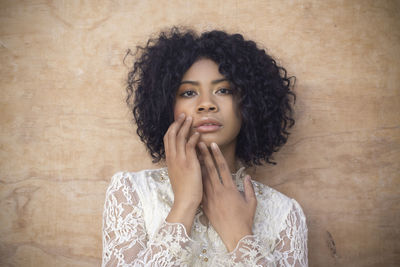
{"points": [[203, 69]]}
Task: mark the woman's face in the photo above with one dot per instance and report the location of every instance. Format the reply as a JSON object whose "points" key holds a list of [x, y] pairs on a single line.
{"points": [[208, 97]]}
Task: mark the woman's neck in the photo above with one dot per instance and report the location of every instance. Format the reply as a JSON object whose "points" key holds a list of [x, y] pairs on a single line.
{"points": [[229, 153]]}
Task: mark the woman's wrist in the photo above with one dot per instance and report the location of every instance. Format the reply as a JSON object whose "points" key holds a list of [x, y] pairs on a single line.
{"points": [[232, 242], [182, 213]]}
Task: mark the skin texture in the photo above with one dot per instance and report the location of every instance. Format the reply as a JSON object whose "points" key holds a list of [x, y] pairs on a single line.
{"points": [[230, 213], [194, 174], [184, 171]]}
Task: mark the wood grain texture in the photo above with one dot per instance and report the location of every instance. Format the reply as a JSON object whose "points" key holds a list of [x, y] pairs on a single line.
{"points": [[65, 128]]}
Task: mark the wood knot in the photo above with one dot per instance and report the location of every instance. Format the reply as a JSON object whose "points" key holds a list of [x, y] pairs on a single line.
{"points": [[331, 244]]}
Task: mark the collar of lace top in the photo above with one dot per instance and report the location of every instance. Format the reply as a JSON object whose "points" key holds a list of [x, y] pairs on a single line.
{"points": [[239, 175]]}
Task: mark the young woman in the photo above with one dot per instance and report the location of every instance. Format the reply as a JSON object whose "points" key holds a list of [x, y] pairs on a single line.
{"points": [[210, 105]]}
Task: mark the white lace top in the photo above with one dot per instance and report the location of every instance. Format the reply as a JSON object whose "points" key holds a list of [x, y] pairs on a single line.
{"points": [[135, 232]]}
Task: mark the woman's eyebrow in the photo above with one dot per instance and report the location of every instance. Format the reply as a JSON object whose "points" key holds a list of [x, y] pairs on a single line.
{"points": [[219, 80], [197, 83], [190, 82]]}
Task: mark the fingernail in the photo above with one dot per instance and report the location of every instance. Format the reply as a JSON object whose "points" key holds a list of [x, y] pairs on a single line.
{"points": [[248, 178], [182, 115], [189, 118], [214, 145]]}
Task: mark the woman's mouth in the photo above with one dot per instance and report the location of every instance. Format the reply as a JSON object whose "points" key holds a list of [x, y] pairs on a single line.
{"points": [[207, 125], [206, 128]]}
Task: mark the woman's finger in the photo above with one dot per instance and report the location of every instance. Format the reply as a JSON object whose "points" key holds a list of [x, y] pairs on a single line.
{"points": [[222, 166], [207, 186], [181, 138], [166, 147], [171, 135], [191, 146], [212, 172]]}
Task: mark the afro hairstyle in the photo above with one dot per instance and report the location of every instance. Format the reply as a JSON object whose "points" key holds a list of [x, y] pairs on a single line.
{"points": [[265, 90]]}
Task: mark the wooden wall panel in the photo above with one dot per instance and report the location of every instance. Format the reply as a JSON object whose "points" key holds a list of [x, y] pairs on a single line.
{"points": [[65, 128]]}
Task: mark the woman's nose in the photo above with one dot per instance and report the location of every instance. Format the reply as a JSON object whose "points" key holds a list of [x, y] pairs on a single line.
{"points": [[206, 105]]}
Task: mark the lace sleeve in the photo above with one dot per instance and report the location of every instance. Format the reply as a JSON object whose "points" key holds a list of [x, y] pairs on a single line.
{"points": [[291, 248], [125, 241], [250, 251]]}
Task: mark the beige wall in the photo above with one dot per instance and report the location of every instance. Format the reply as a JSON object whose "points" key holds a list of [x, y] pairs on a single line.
{"points": [[65, 128]]}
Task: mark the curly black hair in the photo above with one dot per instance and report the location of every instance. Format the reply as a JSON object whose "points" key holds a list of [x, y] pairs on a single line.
{"points": [[265, 95]]}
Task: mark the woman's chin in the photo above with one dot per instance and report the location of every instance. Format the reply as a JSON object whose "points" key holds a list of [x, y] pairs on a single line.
{"points": [[206, 140]]}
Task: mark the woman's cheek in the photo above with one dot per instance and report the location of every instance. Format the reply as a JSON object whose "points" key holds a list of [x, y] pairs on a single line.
{"points": [[179, 109], [177, 113]]}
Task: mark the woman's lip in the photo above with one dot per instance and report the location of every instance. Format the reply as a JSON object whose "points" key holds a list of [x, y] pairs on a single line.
{"points": [[206, 120], [208, 128]]}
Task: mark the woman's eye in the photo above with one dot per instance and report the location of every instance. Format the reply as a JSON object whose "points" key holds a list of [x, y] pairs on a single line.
{"points": [[225, 91], [188, 93]]}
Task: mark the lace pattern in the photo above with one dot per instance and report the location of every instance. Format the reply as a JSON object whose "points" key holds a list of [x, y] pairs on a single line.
{"points": [[291, 246], [248, 252], [280, 230], [125, 242], [169, 247]]}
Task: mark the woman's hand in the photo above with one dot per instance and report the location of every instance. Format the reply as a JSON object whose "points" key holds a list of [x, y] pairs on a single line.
{"points": [[184, 171], [230, 213]]}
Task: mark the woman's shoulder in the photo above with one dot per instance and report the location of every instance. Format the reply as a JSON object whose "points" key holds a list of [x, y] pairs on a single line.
{"points": [[139, 178], [274, 203]]}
